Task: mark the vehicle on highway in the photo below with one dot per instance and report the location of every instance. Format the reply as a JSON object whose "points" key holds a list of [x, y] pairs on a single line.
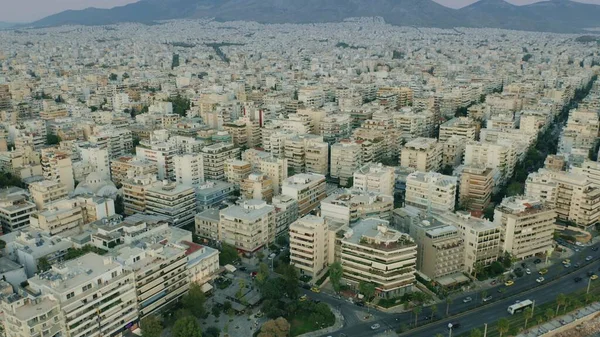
{"points": [[489, 298], [306, 286], [577, 265], [454, 326], [375, 326], [272, 256], [566, 261], [303, 298], [315, 290], [537, 261], [528, 271], [577, 279], [588, 258], [467, 300], [567, 265], [543, 271], [595, 249], [360, 304], [520, 306], [594, 277], [493, 283], [540, 279], [509, 283]]}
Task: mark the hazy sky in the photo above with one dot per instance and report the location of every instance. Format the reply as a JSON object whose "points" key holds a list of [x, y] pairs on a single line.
{"points": [[30, 10]]}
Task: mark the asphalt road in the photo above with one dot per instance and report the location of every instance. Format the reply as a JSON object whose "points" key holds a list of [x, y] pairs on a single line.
{"points": [[471, 315]]}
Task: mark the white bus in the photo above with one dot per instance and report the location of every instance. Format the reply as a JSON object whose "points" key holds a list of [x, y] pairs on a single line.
{"points": [[518, 307]]}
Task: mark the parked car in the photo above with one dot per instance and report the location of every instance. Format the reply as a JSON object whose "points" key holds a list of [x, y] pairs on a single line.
{"points": [[375, 326], [577, 279], [509, 283], [467, 299], [493, 283], [315, 289], [594, 277], [272, 256], [595, 249], [540, 279], [528, 271], [589, 258], [577, 265], [567, 265], [454, 325], [566, 261], [489, 298], [537, 261], [360, 304], [303, 298]]}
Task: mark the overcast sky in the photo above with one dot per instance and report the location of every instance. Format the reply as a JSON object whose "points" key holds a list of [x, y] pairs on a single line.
{"points": [[31, 10]]}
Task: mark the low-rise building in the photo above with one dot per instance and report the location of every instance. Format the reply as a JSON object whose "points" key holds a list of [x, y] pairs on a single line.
{"points": [[212, 193], [46, 191], [207, 224]]}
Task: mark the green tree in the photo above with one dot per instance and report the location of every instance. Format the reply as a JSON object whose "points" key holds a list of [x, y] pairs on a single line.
{"points": [[186, 327], [281, 240], [528, 314], [263, 273], [292, 281], [448, 302], [43, 264], [212, 331], [112, 77], [52, 140], [561, 299], [336, 272], [119, 205], [417, 310], [194, 300], [227, 306], [503, 326], [475, 333], [228, 254], [151, 326], [434, 310], [216, 311], [367, 289], [478, 269], [275, 328], [549, 313]]}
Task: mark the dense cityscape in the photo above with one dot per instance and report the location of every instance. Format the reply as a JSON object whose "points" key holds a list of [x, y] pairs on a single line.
{"points": [[198, 178]]}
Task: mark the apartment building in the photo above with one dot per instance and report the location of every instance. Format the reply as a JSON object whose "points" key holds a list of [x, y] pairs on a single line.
{"points": [[375, 177], [286, 212], [453, 151], [312, 244], [15, 209], [527, 226], [482, 238], [372, 252], [352, 205], [257, 186], [58, 217], [431, 191], [189, 169], [96, 295], [160, 274], [476, 185], [31, 316], [46, 191], [175, 201], [422, 154], [161, 155], [215, 157], [590, 169], [335, 128], [346, 158], [57, 166], [274, 168], [212, 194], [572, 195], [413, 125], [134, 192], [308, 189], [496, 156], [202, 263], [465, 127], [121, 165], [248, 226], [307, 153], [207, 224], [237, 170]]}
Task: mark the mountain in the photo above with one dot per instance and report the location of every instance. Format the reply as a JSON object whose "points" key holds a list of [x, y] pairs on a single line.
{"points": [[552, 15], [7, 25]]}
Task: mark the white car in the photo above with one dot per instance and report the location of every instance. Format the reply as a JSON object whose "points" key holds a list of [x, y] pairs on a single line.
{"points": [[539, 279], [375, 326], [489, 298], [467, 300], [528, 271], [589, 258]]}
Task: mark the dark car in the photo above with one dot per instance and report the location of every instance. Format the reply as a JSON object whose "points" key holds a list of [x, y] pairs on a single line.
{"points": [[306, 286], [455, 326], [577, 265], [595, 249], [590, 273], [524, 265], [360, 304], [577, 279], [243, 268], [537, 261]]}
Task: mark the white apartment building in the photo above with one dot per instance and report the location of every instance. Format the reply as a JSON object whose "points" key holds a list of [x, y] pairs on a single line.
{"points": [[527, 226], [207, 224], [257, 186], [345, 159], [58, 217], [30, 316], [308, 189], [202, 263], [189, 169], [307, 153], [335, 128], [440, 249], [286, 212], [215, 157], [248, 226], [161, 154], [265, 162], [496, 156], [372, 252], [237, 170], [431, 191], [374, 177], [134, 192], [453, 151], [119, 168], [57, 166], [590, 169], [98, 158], [476, 186], [46, 191], [96, 296], [178, 202], [15, 209], [353, 205], [422, 154], [459, 126]]}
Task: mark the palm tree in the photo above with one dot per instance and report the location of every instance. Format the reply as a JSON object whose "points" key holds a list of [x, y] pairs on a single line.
{"points": [[540, 319], [483, 295], [417, 311], [549, 314], [568, 303], [477, 269], [560, 300], [476, 333], [434, 310], [448, 302], [528, 313], [503, 326], [587, 297]]}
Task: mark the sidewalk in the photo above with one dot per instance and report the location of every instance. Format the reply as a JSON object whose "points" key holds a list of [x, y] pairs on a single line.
{"points": [[566, 324], [339, 323]]}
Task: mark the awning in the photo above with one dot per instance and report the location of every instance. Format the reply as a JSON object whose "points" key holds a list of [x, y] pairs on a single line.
{"points": [[230, 268], [206, 287]]}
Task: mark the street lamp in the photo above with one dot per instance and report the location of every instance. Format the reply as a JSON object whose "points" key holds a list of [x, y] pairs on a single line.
{"points": [[449, 329], [588, 286]]}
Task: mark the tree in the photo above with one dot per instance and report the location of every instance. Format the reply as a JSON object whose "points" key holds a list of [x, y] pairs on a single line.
{"points": [[263, 273], [528, 313], [434, 310], [227, 306], [560, 300], [112, 77], [119, 205], [228, 254], [275, 328], [475, 333], [478, 269], [212, 331], [194, 300], [186, 327], [336, 272], [549, 313], [448, 302], [216, 311], [52, 139], [483, 295], [151, 326], [43, 264], [367, 289], [292, 281], [417, 310], [540, 319], [503, 326], [281, 240]]}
